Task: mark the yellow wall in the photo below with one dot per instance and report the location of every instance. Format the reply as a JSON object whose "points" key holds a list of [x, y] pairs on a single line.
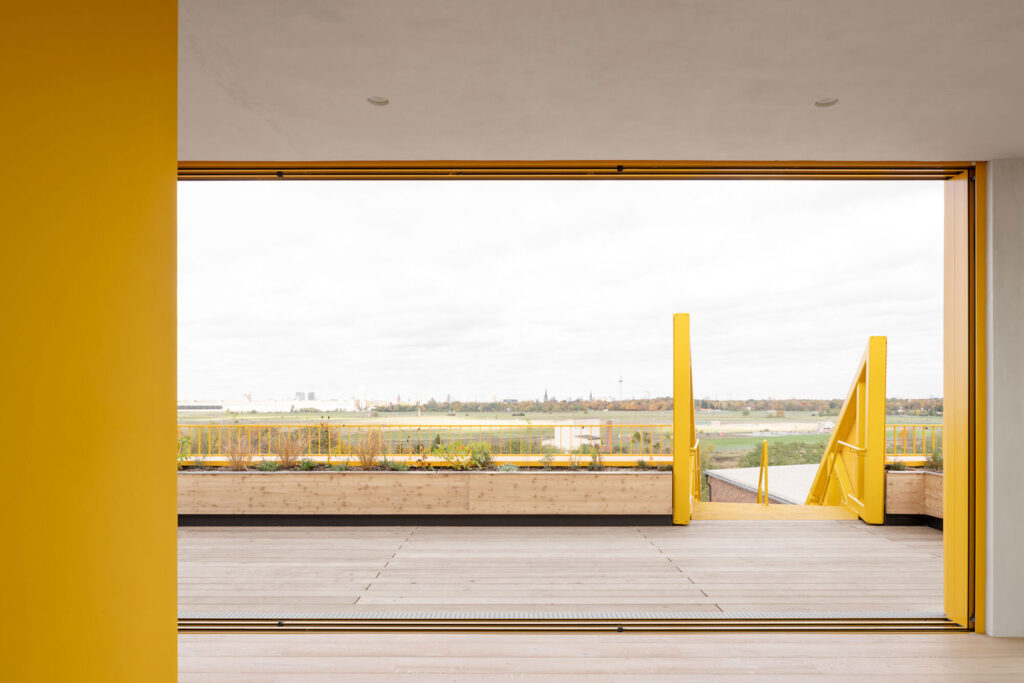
{"points": [[87, 340]]}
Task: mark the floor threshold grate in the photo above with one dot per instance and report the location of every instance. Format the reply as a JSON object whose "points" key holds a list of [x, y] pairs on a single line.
{"points": [[306, 622]]}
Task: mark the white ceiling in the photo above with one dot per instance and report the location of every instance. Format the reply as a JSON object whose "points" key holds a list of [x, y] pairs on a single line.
{"points": [[287, 80]]}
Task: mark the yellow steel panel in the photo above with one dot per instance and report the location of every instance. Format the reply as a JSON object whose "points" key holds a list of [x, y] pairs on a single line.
{"points": [[852, 469], [87, 585], [683, 432], [873, 460]]}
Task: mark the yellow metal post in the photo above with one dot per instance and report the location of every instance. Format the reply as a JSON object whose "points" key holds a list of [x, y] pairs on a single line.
{"points": [[683, 431], [872, 465], [762, 476]]}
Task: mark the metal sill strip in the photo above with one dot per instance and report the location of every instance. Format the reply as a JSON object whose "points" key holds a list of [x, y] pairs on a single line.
{"points": [[567, 623]]}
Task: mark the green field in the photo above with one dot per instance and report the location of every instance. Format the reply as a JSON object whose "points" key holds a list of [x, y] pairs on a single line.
{"points": [[727, 451], [745, 442]]}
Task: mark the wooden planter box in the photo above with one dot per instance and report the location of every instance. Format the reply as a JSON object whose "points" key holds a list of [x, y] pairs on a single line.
{"points": [[425, 493], [913, 493]]}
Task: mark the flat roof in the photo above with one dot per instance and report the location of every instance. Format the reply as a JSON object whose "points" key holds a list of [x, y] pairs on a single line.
{"points": [[787, 483]]}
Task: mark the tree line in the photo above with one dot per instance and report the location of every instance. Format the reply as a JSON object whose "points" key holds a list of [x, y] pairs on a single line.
{"points": [[824, 407]]}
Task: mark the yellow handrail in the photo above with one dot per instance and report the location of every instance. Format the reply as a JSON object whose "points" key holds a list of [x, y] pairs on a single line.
{"points": [[762, 476]]}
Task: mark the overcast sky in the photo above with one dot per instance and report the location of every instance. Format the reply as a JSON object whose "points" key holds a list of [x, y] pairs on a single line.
{"points": [[507, 288]]}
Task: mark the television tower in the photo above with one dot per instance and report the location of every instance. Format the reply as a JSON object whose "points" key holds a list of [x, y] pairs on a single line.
{"points": [[620, 387]]}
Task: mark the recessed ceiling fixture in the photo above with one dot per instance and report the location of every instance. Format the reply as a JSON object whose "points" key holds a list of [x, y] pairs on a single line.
{"points": [[378, 100], [826, 102]]}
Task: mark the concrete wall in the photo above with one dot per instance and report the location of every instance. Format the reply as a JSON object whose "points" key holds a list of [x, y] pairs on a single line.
{"points": [[1005, 386], [87, 310], [722, 491]]}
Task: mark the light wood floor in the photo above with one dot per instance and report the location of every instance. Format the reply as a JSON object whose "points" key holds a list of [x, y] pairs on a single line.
{"points": [[597, 658], [709, 566]]}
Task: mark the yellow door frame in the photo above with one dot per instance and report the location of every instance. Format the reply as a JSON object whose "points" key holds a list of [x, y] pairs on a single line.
{"points": [[964, 297]]}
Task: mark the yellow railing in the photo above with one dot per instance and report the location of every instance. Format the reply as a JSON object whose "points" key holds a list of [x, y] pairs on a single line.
{"points": [[911, 444], [552, 445], [852, 470], [695, 471], [591, 444]]}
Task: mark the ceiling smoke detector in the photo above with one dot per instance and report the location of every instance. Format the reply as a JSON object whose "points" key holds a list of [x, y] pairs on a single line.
{"points": [[826, 102], [378, 100]]}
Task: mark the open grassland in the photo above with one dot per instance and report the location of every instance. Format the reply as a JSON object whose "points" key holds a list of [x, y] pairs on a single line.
{"points": [[745, 443]]}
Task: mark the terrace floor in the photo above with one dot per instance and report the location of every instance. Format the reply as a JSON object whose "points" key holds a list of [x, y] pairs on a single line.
{"points": [[709, 566], [598, 657]]}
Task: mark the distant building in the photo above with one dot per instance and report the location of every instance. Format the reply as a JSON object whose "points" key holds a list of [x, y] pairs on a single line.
{"points": [[572, 437], [300, 396], [200, 406], [310, 395], [826, 427], [346, 405]]}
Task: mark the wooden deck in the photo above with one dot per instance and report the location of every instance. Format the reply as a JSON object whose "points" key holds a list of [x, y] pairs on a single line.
{"points": [[709, 566], [598, 658]]}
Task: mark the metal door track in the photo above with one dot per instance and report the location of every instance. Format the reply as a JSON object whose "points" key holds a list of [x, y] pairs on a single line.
{"points": [[566, 622]]}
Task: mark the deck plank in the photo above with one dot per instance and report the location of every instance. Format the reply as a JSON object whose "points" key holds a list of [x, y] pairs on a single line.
{"points": [[598, 657], [713, 565]]}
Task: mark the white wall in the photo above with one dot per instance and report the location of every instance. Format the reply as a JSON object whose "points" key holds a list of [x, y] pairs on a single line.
{"points": [[1005, 384]]}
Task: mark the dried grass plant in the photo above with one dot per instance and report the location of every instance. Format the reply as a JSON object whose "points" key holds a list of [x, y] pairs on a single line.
{"points": [[370, 449], [290, 447], [239, 454]]}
